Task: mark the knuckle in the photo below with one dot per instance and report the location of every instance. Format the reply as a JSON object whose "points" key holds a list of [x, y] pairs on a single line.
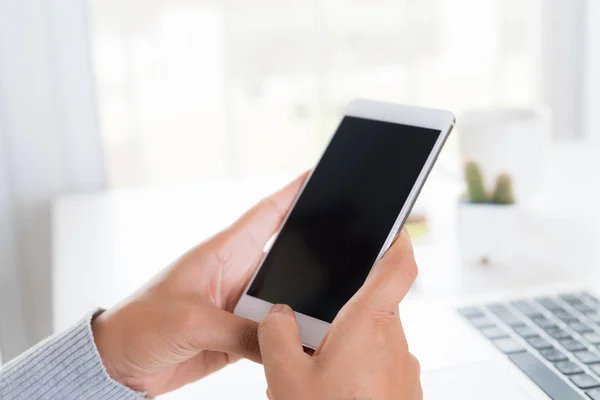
{"points": [[411, 269], [275, 323], [414, 364], [248, 338], [383, 318], [266, 325]]}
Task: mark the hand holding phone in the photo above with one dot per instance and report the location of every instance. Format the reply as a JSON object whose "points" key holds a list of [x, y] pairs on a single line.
{"points": [[347, 213], [179, 328], [363, 356]]}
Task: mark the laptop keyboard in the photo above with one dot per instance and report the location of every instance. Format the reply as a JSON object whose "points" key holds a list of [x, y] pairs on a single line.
{"points": [[554, 340]]}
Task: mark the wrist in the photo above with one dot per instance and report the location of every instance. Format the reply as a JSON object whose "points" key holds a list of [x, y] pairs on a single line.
{"points": [[101, 333]]}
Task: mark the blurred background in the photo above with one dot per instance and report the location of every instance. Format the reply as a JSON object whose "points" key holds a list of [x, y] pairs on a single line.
{"points": [[132, 129]]}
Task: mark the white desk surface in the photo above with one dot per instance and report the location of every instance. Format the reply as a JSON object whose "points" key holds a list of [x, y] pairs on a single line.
{"points": [[106, 245]]}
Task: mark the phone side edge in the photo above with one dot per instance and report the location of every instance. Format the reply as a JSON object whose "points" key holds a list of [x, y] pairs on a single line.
{"points": [[284, 221], [418, 186], [404, 114], [311, 330]]}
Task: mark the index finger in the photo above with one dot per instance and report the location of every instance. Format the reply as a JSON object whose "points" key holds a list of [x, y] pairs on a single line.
{"points": [[391, 278]]}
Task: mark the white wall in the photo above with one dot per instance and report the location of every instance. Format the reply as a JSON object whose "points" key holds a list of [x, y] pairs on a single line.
{"points": [[12, 327], [562, 53], [591, 95], [51, 144]]}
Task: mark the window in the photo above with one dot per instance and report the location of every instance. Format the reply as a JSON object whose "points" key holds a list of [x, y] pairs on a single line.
{"points": [[193, 89]]}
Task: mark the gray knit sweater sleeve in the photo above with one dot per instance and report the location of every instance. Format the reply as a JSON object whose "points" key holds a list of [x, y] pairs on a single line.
{"points": [[63, 367]]}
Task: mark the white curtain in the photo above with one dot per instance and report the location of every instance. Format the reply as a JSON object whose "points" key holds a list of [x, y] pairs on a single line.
{"points": [[216, 89], [49, 144], [12, 333]]}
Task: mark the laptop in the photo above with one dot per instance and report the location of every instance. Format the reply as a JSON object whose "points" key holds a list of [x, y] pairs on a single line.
{"points": [[543, 344]]}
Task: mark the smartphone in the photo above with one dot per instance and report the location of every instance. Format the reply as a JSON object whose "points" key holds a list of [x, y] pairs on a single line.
{"points": [[347, 213]]}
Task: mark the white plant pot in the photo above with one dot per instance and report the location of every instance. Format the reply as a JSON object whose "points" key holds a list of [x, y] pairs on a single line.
{"points": [[506, 140], [487, 234]]}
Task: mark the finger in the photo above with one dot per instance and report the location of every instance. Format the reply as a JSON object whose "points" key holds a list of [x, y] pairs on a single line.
{"points": [[279, 340], [220, 330], [320, 348], [239, 248], [262, 220], [391, 278]]}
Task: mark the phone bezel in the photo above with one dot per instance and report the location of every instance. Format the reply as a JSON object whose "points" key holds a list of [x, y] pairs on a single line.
{"points": [[311, 329]]}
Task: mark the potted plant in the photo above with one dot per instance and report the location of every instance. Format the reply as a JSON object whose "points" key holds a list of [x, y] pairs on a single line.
{"points": [[486, 219]]}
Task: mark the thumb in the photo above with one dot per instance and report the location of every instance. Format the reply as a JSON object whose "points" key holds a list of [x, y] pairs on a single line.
{"points": [[264, 218], [279, 341], [392, 277], [219, 330]]}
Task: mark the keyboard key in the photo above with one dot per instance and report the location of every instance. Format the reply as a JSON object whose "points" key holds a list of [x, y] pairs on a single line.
{"points": [[544, 322], [471, 312], [584, 381], [497, 308], [568, 367], [548, 303], [505, 315], [580, 327], [596, 369], [539, 343], [526, 308], [494, 332], [589, 297], [593, 394], [511, 320], [570, 298], [558, 334], [553, 355], [525, 331], [544, 377], [587, 357], [583, 308], [564, 315], [508, 346], [592, 337], [594, 317], [482, 322], [572, 345]]}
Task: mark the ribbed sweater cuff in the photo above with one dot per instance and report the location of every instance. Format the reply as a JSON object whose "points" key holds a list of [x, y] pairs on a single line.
{"points": [[63, 367]]}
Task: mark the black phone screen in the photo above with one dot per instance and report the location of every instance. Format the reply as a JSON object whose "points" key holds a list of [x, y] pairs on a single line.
{"points": [[341, 220]]}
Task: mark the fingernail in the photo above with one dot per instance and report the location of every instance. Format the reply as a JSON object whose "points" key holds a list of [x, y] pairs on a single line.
{"points": [[277, 308]]}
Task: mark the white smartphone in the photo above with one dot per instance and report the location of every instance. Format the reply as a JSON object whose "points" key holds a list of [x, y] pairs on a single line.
{"points": [[347, 214]]}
